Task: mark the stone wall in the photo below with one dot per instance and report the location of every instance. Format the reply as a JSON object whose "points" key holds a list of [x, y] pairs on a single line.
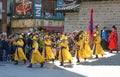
{"points": [[106, 13]]}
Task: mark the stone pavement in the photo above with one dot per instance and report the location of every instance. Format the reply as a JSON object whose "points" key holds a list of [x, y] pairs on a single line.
{"points": [[21, 70], [108, 66]]}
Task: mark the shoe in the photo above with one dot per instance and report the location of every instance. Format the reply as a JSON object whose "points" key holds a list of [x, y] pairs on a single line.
{"points": [[78, 61], [96, 57], [53, 61], [16, 63], [110, 51], [30, 66], [41, 65], [24, 61], [70, 61], [61, 64]]}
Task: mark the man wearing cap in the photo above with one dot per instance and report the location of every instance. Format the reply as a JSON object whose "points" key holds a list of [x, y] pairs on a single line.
{"points": [[80, 53], [36, 56], [19, 54], [64, 55], [97, 49], [48, 53], [87, 48]]}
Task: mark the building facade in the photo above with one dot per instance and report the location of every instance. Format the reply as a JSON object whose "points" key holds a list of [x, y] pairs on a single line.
{"points": [[3, 16], [31, 14]]}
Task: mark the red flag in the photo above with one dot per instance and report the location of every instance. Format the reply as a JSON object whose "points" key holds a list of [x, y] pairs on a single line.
{"points": [[90, 26]]}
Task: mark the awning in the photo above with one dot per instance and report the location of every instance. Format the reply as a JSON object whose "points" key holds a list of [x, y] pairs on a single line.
{"points": [[67, 8]]}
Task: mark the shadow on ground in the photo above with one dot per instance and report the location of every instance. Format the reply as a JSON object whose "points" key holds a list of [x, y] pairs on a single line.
{"points": [[112, 61]]}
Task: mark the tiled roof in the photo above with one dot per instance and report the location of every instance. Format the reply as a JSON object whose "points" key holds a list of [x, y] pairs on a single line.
{"points": [[69, 7]]}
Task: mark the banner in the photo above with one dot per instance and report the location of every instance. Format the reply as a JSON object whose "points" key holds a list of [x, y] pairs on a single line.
{"points": [[0, 10], [90, 26], [23, 8], [37, 8]]}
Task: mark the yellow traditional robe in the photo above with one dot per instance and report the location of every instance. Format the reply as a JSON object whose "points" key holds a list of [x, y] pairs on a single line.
{"points": [[48, 53], [81, 53], [19, 54], [64, 53], [36, 56], [87, 47], [98, 50]]}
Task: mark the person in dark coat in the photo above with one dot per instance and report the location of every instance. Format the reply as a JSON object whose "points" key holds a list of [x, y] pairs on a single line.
{"points": [[4, 48], [104, 39]]}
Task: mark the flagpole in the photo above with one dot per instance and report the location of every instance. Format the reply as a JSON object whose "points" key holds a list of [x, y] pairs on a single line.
{"points": [[90, 27]]}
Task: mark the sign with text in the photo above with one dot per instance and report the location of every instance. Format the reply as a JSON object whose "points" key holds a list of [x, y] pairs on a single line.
{"points": [[0, 10], [37, 8]]}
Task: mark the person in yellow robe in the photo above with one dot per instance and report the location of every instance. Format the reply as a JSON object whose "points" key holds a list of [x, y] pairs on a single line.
{"points": [[81, 53], [79, 46], [19, 54], [97, 49], [86, 44], [36, 56], [48, 53], [64, 54]]}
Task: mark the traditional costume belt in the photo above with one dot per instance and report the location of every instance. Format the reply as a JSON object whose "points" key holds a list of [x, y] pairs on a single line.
{"points": [[19, 46], [78, 47], [48, 45], [63, 47], [32, 49]]}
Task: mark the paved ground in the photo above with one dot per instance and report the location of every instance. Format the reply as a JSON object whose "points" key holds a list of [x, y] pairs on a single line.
{"points": [[108, 66]]}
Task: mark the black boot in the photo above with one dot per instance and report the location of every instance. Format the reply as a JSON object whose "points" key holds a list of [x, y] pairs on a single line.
{"points": [[61, 64], [41, 65], [110, 51], [78, 61], [30, 66], [70, 61], [24, 61], [96, 57], [16, 63], [53, 61]]}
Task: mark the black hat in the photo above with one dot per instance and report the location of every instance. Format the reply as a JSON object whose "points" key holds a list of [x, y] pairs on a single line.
{"points": [[114, 27], [97, 26]]}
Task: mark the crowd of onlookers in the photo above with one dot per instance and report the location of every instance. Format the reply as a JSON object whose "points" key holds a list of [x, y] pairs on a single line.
{"points": [[7, 47]]}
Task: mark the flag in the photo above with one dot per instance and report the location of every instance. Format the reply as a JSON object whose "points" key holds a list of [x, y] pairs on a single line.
{"points": [[90, 26]]}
